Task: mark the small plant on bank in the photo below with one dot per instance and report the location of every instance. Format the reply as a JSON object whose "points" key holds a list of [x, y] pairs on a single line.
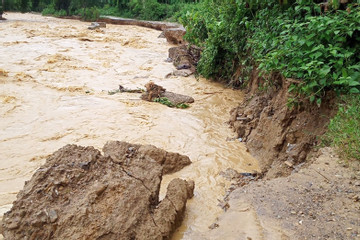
{"points": [[344, 128], [91, 14], [167, 102], [49, 10]]}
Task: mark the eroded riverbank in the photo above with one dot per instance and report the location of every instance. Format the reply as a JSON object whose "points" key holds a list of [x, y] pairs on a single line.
{"points": [[55, 77]]}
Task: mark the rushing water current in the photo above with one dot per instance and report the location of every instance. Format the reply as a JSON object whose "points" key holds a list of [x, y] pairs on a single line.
{"points": [[55, 75]]}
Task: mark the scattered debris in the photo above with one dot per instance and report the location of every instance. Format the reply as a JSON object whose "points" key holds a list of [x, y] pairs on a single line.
{"points": [[180, 73], [213, 226], [138, 90], [96, 25], [159, 94]]}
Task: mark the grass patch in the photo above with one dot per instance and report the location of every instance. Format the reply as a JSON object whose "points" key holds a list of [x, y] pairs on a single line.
{"points": [[167, 102], [344, 128]]}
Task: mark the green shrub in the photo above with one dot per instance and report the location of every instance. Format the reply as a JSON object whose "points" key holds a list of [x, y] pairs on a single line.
{"points": [[167, 102], [91, 14], [60, 13], [344, 128], [320, 50], [49, 10], [108, 10]]}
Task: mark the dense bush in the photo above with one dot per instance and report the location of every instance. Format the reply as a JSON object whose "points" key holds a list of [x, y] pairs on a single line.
{"points": [[89, 9], [320, 50], [91, 14], [49, 10]]}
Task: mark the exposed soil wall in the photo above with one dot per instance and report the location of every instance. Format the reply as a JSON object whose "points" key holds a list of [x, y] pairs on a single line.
{"points": [[279, 136]]}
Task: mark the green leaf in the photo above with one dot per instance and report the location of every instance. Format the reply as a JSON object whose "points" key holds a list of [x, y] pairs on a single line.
{"points": [[344, 72], [353, 83], [292, 87], [325, 70], [318, 102], [354, 90], [355, 67], [312, 98]]}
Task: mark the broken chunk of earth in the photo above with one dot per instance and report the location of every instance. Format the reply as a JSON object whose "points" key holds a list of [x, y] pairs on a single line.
{"points": [[81, 194]]}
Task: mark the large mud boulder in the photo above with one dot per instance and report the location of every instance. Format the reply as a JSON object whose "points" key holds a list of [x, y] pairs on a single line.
{"points": [[154, 91], [175, 35], [185, 59], [81, 194]]}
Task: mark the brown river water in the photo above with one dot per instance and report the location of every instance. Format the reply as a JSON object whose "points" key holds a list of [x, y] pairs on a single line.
{"points": [[55, 75]]}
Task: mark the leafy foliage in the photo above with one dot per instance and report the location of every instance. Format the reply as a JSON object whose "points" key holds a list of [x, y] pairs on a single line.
{"points": [[90, 9], [167, 102], [320, 50], [91, 14]]}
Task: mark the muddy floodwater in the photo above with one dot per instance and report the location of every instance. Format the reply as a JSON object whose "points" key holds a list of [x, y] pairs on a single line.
{"points": [[55, 76]]}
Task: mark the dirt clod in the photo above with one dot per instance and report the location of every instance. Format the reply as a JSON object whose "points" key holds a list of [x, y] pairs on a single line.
{"points": [[80, 194], [155, 91]]}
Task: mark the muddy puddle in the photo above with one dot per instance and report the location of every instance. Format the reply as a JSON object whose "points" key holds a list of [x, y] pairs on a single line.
{"points": [[55, 75]]}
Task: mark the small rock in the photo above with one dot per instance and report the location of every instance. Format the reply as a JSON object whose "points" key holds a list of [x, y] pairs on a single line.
{"points": [[162, 35], [224, 205], [53, 216], [214, 225], [175, 35], [15, 223], [183, 66], [290, 147], [95, 25], [244, 119], [100, 189], [102, 24], [289, 164]]}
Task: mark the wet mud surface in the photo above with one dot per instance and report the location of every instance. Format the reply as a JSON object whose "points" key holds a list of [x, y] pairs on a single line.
{"points": [[55, 75], [318, 201]]}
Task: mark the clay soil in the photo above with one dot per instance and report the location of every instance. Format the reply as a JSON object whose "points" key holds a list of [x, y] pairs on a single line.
{"points": [[279, 135]]}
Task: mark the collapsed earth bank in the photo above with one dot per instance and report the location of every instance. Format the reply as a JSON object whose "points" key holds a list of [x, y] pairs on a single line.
{"points": [[81, 194], [279, 135]]}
